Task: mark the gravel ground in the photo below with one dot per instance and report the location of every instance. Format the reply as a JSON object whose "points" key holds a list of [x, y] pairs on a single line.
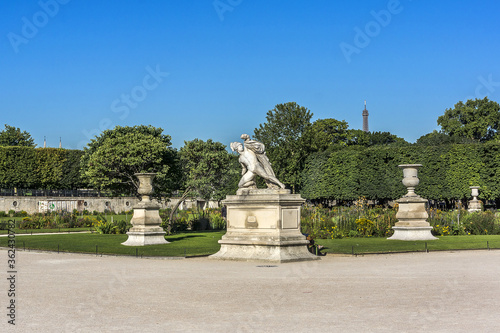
{"points": [[417, 292]]}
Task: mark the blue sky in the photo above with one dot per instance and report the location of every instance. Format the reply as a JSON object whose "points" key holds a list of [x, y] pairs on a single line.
{"points": [[212, 69]]}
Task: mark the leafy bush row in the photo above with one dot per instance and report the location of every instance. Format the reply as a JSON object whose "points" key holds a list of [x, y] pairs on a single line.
{"points": [[447, 172], [43, 168], [361, 221]]}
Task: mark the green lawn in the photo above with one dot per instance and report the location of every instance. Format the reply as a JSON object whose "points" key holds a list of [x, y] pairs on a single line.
{"points": [[204, 243], [186, 244], [115, 218], [18, 231], [383, 245]]}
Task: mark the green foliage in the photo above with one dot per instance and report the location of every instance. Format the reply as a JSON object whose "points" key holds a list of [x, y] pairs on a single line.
{"points": [[71, 178], [18, 167], [283, 136], [462, 222], [12, 136], [447, 172], [104, 227], [217, 222], [325, 133], [47, 168], [316, 185], [361, 221], [341, 222], [208, 169], [436, 138], [111, 160], [477, 120], [56, 220], [368, 139]]}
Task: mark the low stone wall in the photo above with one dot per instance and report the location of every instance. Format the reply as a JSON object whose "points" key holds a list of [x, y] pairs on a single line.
{"points": [[116, 204]]}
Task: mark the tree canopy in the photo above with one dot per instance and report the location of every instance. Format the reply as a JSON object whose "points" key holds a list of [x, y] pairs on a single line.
{"points": [[368, 139], [477, 120], [324, 133], [208, 169], [283, 136], [12, 136], [111, 159], [372, 172], [436, 138]]}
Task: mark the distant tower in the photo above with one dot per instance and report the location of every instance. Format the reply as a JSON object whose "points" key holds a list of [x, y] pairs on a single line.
{"points": [[365, 120], [60, 142], [44, 142]]}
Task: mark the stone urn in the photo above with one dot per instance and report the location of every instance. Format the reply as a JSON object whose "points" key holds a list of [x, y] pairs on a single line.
{"points": [[410, 177], [475, 204], [474, 192], [146, 222], [145, 185]]}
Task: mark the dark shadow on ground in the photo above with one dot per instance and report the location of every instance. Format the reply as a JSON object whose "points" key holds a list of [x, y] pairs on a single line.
{"points": [[174, 239]]}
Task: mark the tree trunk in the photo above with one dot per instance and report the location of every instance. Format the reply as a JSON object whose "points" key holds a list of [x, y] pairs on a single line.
{"points": [[171, 217]]}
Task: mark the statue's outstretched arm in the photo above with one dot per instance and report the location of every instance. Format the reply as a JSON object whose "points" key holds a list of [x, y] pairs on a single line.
{"points": [[243, 169]]}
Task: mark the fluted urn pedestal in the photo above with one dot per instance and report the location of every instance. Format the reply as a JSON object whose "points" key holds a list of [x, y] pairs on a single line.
{"points": [[412, 216], [146, 222], [475, 205], [263, 225]]}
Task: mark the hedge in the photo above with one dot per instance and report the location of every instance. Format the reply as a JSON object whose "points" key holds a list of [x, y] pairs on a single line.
{"points": [[40, 168], [447, 172]]}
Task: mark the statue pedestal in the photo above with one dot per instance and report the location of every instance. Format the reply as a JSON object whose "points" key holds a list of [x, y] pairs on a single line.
{"points": [[412, 218], [146, 229], [475, 206], [263, 225]]}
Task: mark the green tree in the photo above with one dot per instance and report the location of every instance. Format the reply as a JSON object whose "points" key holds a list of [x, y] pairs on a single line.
{"points": [[49, 167], [368, 139], [111, 160], [283, 136], [325, 133], [12, 136], [208, 171], [477, 120], [72, 178], [436, 138], [386, 138]]}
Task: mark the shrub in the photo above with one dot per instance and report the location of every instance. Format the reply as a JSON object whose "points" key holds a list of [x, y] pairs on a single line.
{"points": [[217, 222], [365, 227], [102, 226], [480, 223], [85, 221], [22, 213], [122, 227], [27, 223]]}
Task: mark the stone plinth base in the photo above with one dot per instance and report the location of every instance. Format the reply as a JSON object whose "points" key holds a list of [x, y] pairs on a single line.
{"points": [[247, 247], [146, 228], [263, 225], [412, 233], [412, 217], [475, 206], [142, 238]]}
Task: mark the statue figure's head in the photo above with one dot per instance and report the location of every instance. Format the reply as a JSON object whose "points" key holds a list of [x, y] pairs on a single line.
{"points": [[245, 137], [236, 146]]}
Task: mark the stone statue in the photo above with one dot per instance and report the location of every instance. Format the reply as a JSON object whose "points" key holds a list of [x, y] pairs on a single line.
{"points": [[254, 162]]}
